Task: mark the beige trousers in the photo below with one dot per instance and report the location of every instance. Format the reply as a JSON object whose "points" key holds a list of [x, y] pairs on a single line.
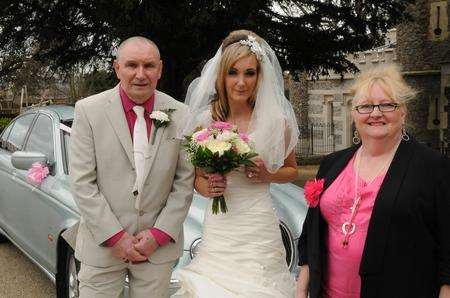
{"points": [[145, 280]]}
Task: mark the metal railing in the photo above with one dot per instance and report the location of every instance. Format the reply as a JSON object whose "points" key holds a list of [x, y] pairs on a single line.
{"points": [[316, 139]]}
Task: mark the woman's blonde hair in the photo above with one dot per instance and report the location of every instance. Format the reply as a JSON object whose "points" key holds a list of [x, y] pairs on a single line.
{"points": [[389, 78], [232, 51]]}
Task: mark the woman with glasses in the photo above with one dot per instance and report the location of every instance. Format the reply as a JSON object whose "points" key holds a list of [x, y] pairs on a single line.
{"points": [[381, 227]]}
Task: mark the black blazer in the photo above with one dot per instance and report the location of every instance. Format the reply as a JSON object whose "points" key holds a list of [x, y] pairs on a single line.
{"points": [[407, 249]]}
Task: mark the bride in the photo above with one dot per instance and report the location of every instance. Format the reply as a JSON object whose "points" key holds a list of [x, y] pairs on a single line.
{"points": [[242, 254]]}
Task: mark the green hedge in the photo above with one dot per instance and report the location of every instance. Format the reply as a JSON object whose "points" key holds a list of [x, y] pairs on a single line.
{"points": [[4, 121]]}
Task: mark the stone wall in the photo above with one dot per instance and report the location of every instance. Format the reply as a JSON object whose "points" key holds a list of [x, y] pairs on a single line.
{"points": [[422, 49], [419, 117], [417, 48]]}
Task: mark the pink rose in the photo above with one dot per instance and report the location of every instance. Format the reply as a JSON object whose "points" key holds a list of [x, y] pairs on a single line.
{"points": [[37, 173], [202, 136], [312, 190], [244, 137], [221, 125]]}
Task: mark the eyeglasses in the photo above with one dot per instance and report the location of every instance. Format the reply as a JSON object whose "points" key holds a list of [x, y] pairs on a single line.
{"points": [[382, 107]]}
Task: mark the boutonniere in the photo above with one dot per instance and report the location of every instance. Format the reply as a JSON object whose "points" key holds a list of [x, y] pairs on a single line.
{"points": [[312, 190], [160, 119]]}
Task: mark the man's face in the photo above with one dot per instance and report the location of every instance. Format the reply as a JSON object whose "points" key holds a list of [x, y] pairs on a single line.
{"points": [[138, 68]]}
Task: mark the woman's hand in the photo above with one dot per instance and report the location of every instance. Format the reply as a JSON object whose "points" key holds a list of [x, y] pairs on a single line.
{"points": [[216, 185], [258, 173]]}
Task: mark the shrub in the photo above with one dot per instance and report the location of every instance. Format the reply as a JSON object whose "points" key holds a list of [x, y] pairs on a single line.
{"points": [[4, 121]]}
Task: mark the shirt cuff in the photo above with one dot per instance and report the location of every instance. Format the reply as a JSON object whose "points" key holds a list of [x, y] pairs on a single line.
{"points": [[113, 240], [161, 237]]}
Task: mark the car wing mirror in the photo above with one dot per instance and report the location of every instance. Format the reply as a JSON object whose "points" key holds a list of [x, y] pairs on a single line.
{"points": [[23, 160]]}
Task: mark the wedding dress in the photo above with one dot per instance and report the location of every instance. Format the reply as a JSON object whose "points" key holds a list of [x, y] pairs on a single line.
{"points": [[241, 253]]}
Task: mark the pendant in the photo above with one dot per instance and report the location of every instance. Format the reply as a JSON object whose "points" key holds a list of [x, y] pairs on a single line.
{"points": [[348, 228]]}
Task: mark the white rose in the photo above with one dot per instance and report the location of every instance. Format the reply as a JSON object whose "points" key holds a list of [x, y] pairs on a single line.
{"points": [[226, 136], [242, 147], [218, 146], [160, 116]]}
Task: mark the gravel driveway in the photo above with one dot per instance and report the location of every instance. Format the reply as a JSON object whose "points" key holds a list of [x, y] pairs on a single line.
{"points": [[19, 277]]}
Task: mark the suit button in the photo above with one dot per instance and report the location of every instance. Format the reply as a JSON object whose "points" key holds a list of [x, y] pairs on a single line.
{"points": [[141, 213], [135, 193]]}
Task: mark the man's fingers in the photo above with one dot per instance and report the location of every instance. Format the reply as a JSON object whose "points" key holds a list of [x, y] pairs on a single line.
{"points": [[134, 255]]}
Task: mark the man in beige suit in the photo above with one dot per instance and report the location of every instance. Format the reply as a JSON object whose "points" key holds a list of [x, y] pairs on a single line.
{"points": [[132, 210]]}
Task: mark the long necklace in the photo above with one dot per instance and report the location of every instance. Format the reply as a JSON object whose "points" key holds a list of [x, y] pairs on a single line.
{"points": [[349, 227]]}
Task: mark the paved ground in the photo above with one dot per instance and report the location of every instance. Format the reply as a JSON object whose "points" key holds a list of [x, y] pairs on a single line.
{"points": [[19, 277]]}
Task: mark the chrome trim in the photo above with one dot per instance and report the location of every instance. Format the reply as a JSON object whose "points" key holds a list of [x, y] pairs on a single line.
{"points": [[49, 274], [291, 243], [194, 244]]}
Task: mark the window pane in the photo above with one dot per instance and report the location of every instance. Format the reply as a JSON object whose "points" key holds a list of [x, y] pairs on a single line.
{"points": [[19, 131], [5, 135], [41, 137], [66, 137]]}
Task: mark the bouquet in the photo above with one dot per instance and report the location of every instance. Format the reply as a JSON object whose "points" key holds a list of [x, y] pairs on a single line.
{"points": [[219, 149]]}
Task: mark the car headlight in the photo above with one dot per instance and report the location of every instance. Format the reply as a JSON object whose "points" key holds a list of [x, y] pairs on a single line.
{"points": [[195, 246]]}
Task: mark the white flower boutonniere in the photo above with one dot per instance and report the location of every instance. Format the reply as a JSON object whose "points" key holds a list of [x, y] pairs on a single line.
{"points": [[160, 119]]}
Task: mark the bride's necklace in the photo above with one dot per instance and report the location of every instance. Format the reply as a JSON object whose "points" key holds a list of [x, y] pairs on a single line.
{"points": [[349, 226]]}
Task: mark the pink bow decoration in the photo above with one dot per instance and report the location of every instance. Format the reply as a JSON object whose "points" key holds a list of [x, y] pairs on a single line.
{"points": [[312, 191], [37, 173]]}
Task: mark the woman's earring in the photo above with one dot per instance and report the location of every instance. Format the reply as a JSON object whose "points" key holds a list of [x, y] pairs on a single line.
{"points": [[405, 136], [356, 139]]}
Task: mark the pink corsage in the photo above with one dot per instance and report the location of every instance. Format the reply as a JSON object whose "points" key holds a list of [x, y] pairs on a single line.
{"points": [[312, 191], [37, 173]]}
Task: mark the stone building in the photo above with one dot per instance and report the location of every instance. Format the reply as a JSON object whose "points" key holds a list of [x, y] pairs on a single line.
{"points": [[421, 47]]}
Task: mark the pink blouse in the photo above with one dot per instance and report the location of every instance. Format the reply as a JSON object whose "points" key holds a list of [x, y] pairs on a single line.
{"points": [[342, 279]]}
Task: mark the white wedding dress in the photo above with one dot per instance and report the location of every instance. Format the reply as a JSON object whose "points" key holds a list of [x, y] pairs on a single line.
{"points": [[241, 254]]}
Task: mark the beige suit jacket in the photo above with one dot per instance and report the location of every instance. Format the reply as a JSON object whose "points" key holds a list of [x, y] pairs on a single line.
{"points": [[102, 176]]}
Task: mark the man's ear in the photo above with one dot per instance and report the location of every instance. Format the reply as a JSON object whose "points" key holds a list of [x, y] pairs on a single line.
{"points": [[160, 69], [116, 68]]}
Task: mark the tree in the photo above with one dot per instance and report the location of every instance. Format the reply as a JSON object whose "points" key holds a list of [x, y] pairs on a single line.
{"points": [[308, 35]]}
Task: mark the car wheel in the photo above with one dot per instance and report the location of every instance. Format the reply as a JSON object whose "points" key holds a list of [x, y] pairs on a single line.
{"points": [[67, 281]]}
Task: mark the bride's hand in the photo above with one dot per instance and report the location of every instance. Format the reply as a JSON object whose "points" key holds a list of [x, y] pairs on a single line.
{"points": [[216, 185], [258, 173]]}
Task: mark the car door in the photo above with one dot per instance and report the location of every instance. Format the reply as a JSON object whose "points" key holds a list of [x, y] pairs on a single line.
{"points": [[38, 225], [11, 206]]}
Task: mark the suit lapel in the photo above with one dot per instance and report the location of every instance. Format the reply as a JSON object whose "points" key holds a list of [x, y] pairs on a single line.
{"points": [[377, 234], [153, 149], [116, 116]]}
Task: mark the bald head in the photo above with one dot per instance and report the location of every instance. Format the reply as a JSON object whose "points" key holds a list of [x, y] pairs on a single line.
{"points": [[136, 40], [138, 66]]}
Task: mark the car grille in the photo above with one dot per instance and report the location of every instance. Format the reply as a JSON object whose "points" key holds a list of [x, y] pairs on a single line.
{"points": [[288, 242]]}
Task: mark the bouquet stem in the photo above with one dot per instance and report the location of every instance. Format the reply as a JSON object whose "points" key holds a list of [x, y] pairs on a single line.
{"points": [[154, 135], [219, 202]]}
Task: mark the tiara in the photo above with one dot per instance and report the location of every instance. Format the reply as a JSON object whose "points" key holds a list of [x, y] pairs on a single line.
{"points": [[254, 46]]}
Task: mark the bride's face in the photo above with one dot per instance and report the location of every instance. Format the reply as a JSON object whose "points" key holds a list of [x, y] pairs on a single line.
{"points": [[241, 79]]}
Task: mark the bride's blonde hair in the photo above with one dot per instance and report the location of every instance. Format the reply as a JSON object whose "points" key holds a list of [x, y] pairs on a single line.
{"points": [[232, 51]]}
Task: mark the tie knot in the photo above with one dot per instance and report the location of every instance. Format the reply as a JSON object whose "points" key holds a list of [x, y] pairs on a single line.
{"points": [[139, 110]]}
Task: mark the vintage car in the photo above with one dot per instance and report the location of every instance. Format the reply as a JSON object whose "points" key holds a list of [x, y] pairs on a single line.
{"points": [[33, 217]]}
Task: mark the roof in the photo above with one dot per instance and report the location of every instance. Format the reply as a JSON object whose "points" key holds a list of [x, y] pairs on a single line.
{"points": [[64, 112]]}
